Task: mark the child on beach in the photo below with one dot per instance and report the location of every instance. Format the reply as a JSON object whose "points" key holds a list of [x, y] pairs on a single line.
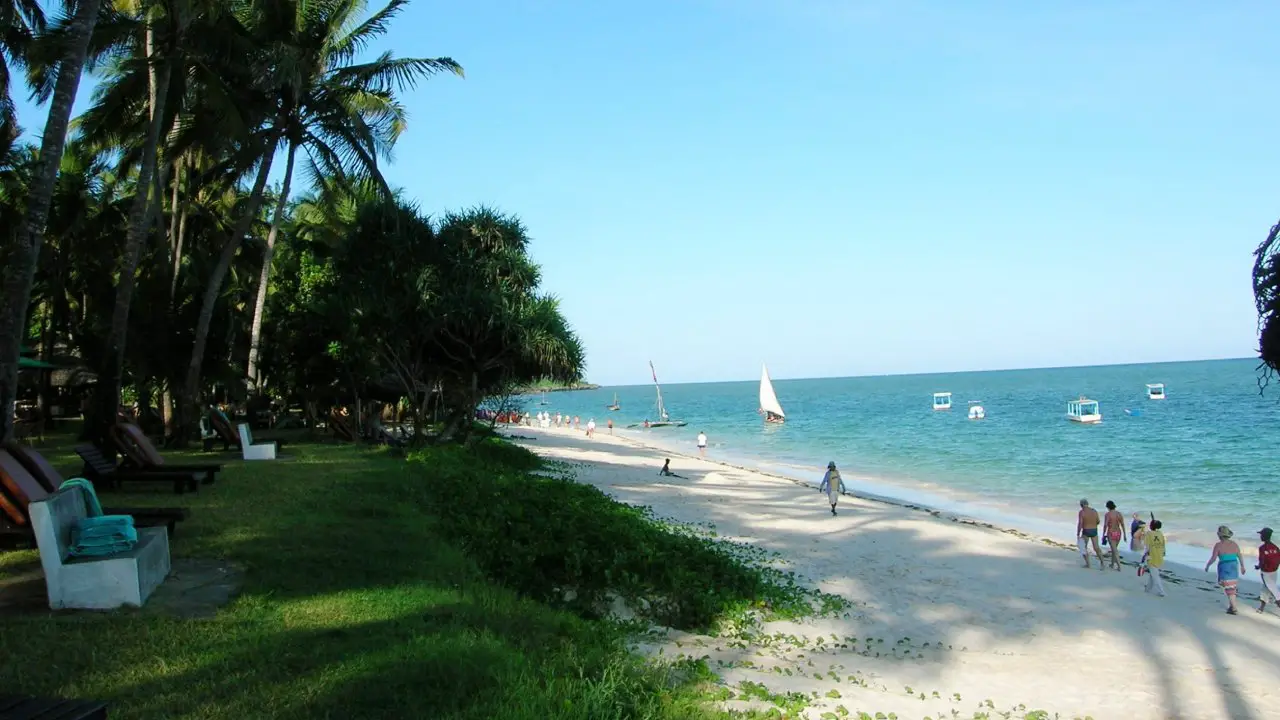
{"points": [[832, 485], [666, 470], [1268, 564], [1153, 560]]}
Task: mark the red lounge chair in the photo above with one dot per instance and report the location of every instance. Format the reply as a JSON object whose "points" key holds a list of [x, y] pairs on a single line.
{"points": [[141, 454], [26, 477]]}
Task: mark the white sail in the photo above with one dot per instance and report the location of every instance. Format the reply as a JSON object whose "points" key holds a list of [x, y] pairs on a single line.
{"points": [[768, 399]]}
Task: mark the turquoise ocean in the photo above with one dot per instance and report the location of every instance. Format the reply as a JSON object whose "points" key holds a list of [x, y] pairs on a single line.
{"points": [[1207, 455]]}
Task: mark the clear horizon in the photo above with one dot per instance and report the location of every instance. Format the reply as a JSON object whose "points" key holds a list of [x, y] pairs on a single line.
{"points": [[860, 189], [776, 378]]}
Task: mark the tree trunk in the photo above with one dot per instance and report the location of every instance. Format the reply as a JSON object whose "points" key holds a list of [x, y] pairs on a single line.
{"points": [[18, 261], [190, 389], [111, 374], [260, 305], [177, 223]]}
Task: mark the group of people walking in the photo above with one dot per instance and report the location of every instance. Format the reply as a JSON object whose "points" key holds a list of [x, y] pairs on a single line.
{"points": [[1149, 540]]}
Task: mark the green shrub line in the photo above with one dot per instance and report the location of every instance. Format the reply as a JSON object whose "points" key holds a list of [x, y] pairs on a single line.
{"points": [[570, 545]]}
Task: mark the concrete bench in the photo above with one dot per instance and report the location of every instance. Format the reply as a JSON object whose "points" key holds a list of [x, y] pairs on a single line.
{"points": [[99, 583], [260, 451]]}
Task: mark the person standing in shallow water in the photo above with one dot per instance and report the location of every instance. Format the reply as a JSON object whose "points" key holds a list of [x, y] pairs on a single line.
{"points": [[832, 485], [1113, 525], [1087, 522], [1227, 554]]}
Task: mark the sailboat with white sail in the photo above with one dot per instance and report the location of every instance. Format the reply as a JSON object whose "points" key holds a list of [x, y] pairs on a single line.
{"points": [[664, 419], [769, 406]]}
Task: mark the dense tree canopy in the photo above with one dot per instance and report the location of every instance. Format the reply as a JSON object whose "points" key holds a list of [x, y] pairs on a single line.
{"points": [[1266, 292], [159, 257]]}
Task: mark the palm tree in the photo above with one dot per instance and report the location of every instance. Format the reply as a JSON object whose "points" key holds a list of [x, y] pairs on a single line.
{"points": [[331, 107], [155, 40], [20, 22], [18, 262]]}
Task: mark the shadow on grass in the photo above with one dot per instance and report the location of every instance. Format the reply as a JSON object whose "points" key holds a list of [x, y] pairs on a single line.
{"points": [[375, 587]]}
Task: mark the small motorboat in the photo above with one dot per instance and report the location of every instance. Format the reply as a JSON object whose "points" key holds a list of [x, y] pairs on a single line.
{"points": [[976, 412]]}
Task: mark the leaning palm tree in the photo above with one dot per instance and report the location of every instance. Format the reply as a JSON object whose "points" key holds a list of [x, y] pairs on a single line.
{"points": [[342, 114], [18, 259]]}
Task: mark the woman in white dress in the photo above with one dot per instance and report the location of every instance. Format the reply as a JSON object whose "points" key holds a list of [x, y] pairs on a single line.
{"points": [[832, 485]]}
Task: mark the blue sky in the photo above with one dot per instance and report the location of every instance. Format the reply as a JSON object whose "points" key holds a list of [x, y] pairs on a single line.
{"points": [[846, 188]]}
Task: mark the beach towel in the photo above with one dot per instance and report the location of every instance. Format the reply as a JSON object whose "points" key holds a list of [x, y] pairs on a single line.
{"points": [[96, 535], [92, 508]]}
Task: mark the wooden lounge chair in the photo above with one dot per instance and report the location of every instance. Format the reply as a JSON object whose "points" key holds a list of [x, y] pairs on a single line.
{"points": [[19, 707], [26, 477], [140, 453], [341, 428], [102, 471]]}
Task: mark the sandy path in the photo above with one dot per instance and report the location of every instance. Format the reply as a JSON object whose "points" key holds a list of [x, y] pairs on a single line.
{"points": [[974, 618]]}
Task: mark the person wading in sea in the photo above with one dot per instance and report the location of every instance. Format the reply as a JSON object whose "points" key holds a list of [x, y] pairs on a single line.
{"points": [[1087, 531]]}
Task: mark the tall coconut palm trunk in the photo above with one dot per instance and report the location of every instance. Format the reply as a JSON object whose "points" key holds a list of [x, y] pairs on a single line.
{"points": [[18, 261], [260, 305], [188, 410], [111, 375]]}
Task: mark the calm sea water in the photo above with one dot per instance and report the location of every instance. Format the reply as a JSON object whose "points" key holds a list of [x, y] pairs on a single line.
{"points": [[1207, 455]]}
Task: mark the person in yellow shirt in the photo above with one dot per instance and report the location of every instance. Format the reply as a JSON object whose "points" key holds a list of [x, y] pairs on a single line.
{"points": [[1154, 559]]}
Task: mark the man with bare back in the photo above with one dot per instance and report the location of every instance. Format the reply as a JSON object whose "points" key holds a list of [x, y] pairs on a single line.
{"points": [[1087, 531]]}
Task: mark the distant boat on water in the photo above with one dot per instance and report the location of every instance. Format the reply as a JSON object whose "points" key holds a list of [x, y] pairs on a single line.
{"points": [[942, 401], [1084, 411], [544, 399], [976, 411], [664, 419], [615, 406], [1155, 391], [769, 406]]}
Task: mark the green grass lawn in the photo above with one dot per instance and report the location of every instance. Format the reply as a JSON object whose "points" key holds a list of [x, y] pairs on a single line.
{"points": [[380, 587]]}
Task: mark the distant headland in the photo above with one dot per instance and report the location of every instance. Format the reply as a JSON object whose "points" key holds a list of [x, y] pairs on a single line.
{"points": [[552, 386]]}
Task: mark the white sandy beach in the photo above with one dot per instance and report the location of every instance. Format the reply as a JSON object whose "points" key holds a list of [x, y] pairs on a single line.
{"points": [[974, 618]]}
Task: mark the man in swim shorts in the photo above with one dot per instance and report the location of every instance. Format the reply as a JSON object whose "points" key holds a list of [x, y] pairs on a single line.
{"points": [[1087, 522]]}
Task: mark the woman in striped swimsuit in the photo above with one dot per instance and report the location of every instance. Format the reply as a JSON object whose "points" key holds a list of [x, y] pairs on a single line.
{"points": [[1227, 554]]}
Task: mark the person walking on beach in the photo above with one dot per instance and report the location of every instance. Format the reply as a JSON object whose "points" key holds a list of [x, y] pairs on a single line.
{"points": [[1113, 526], [1268, 564], [1227, 554], [832, 485], [591, 427], [610, 425], [1087, 522], [1153, 560], [702, 443]]}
